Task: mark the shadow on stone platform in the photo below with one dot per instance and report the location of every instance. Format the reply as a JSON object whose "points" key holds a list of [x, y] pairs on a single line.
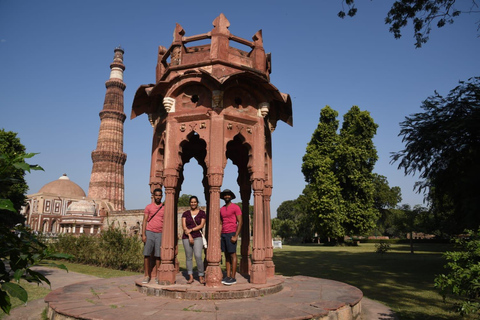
{"points": [[297, 297]]}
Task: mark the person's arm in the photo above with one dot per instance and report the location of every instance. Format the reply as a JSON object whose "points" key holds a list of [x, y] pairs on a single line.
{"points": [[239, 227], [144, 228]]}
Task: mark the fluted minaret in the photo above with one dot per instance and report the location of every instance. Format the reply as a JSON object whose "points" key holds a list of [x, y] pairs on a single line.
{"points": [[106, 181]]}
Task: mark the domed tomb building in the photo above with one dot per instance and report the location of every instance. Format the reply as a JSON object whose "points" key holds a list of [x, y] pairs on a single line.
{"points": [[60, 207]]}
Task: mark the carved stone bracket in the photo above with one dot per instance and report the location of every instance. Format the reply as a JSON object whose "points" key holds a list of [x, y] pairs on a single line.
{"points": [[263, 109], [169, 104]]}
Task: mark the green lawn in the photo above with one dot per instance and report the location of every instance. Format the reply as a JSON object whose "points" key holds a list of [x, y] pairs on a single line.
{"points": [[399, 279]]}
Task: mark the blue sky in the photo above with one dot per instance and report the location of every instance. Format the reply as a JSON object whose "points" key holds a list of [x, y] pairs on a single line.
{"points": [[55, 57]]}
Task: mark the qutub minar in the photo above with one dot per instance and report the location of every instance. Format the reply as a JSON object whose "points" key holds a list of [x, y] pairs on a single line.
{"points": [[107, 178]]}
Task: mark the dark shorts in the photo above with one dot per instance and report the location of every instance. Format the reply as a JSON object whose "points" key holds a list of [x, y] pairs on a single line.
{"points": [[153, 243], [227, 245]]}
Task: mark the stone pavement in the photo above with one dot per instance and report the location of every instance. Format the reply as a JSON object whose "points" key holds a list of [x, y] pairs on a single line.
{"points": [[118, 298]]}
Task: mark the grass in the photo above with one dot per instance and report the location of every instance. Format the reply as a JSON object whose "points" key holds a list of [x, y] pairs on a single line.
{"points": [[399, 279], [34, 292]]}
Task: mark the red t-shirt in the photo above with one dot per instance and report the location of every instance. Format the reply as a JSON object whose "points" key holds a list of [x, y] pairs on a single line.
{"points": [[156, 223], [229, 217]]}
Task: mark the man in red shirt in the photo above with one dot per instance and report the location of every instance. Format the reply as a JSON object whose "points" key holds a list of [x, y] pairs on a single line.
{"points": [[152, 233], [231, 216]]}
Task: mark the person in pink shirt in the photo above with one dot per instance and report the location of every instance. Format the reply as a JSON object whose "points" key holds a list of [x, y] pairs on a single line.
{"points": [[231, 216], [152, 233]]}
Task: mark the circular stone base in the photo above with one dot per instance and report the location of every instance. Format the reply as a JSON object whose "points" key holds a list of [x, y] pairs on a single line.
{"points": [[196, 291], [120, 298]]}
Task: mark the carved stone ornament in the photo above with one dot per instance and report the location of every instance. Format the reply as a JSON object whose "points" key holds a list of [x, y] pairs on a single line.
{"points": [[263, 109], [217, 98], [169, 104]]}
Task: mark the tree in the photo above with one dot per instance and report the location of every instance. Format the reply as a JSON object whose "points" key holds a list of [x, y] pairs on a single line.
{"points": [[422, 13], [338, 170], [12, 177], [385, 199], [356, 162], [286, 210], [293, 219], [442, 144], [19, 248], [319, 168], [462, 278], [184, 200]]}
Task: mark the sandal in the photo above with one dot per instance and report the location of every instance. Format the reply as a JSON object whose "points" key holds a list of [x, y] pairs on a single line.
{"points": [[190, 281], [201, 280], [146, 280]]}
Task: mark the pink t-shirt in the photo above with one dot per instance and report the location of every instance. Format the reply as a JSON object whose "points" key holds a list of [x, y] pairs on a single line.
{"points": [[229, 217], [156, 223]]}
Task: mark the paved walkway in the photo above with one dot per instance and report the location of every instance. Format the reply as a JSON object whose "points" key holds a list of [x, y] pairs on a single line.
{"points": [[371, 310]]}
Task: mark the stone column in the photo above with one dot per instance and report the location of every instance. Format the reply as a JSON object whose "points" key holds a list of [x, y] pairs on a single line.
{"points": [[245, 262], [167, 273], [269, 265], [213, 270], [216, 157], [257, 272]]}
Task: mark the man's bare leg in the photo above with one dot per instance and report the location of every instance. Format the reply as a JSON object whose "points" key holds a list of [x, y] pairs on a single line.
{"points": [[233, 258]]}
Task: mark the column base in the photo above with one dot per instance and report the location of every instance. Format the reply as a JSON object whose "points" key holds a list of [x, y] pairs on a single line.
{"points": [[258, 273], [270, 268], [213, 276], [166, 274]]}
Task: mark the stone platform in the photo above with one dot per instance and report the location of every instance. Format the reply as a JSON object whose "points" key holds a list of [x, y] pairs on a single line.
{"points": [[296, 297]]}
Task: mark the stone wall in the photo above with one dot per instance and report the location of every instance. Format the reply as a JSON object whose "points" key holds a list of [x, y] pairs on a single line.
{"points": [[131, 220]]}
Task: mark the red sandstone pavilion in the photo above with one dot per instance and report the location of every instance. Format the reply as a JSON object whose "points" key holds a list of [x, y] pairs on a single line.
{"points": [[214, 102], [210, 102]]}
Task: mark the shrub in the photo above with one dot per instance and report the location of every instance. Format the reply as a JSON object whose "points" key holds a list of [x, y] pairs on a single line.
{"points": [[463, 276], [382, 247], [113, 248]]}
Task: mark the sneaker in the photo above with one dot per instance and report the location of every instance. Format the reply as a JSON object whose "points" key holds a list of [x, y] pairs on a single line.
{"points": [[156, 281], [146, 280], [225, 280], [230, 281]]}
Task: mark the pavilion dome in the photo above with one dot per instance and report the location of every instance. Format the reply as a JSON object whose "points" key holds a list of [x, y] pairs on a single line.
{"points": [[83, 207], [63, 187]]}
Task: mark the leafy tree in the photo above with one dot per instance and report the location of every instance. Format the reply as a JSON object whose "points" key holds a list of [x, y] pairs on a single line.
{"points": [[422, 13], [19, 248], [338, 169], [356, 162], [410, 220], [184, 200], [296, 212], [463, 274], [320, 166], [12, 182], [385, 199], [286, 210], [442, 144]]}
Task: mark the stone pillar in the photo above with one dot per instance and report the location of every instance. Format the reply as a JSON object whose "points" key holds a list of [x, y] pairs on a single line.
{"points": [[257, 272], [213, 270], [215, 177], [269, 265], [245, 262], [167, 272]]}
